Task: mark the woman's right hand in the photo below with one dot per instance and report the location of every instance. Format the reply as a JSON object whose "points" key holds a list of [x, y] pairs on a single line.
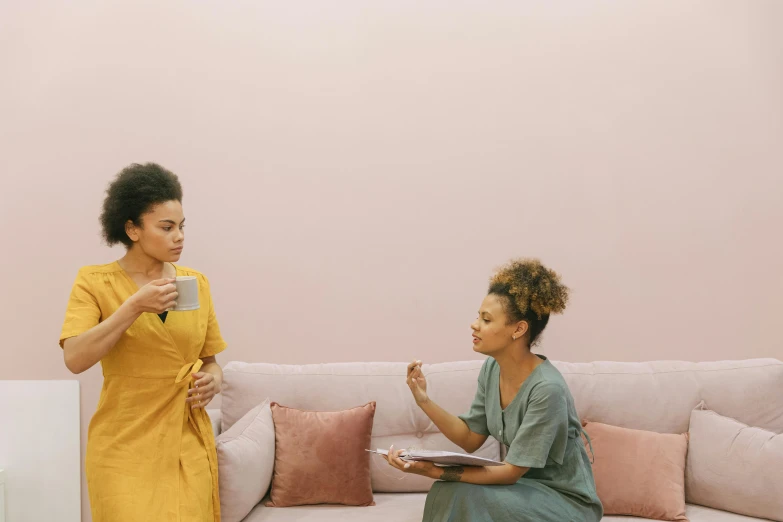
{"points": [[156, 296], [417, 382]]}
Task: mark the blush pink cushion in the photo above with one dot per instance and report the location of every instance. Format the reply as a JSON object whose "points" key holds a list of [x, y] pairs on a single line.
{"points": [[321, 457], [639, 473], [246, 454], [734, 467]]}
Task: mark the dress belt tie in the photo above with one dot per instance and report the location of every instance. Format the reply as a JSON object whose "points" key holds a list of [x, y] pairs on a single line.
{"points": [[589, 443], [193, 367]]}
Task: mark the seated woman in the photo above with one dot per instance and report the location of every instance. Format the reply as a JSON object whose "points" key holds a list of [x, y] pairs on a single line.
{"points": [[523, 401]]}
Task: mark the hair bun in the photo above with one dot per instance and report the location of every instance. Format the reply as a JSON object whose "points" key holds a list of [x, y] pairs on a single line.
{"points": [[533, 286]]}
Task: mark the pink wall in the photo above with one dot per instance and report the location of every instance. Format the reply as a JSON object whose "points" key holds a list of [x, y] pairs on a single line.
{"points": [[353, 171]]}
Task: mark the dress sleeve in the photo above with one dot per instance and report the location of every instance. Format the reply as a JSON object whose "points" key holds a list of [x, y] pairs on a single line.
{"points": [[213, 342], [476, 418], [543, 433], [82, 312]]}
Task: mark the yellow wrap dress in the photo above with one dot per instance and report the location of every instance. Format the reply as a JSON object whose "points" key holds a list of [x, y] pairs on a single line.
{"points": [[150, 457]]}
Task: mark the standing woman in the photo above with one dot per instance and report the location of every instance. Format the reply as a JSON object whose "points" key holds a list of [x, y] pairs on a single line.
{"points": [[150, 450]]}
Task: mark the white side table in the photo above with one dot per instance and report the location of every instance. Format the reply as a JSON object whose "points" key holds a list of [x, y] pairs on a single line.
{"points": [[2, 495]]}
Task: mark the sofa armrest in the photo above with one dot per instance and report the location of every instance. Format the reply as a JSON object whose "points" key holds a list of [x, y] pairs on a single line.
{"points": [[215, 415]]}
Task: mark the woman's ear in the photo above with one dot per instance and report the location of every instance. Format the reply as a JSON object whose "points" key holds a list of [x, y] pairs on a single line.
{"points": [[521, 329], [131, 230]]}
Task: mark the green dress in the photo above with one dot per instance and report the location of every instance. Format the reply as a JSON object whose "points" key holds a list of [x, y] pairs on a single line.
{"points": [[541, 431]]}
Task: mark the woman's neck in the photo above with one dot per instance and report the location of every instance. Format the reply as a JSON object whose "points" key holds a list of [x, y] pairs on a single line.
{"points": [[516, 365], [136, 261]]}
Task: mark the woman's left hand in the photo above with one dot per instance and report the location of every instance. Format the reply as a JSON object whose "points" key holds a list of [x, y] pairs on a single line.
{"points": [[419, 467], [203, 392]]}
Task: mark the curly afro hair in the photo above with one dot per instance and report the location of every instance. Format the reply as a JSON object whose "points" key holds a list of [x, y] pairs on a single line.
{"points": [[133, 193], [531, 293]]}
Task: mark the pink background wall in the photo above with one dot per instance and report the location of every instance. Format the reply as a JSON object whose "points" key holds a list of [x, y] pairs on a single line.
{"points": [[354, 171]]}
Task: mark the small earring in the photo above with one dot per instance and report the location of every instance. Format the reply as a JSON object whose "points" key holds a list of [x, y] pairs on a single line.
{"points": [[514, 337]]}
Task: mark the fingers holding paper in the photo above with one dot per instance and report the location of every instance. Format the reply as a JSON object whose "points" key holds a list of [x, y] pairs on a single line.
{"points": [[419, 468]]}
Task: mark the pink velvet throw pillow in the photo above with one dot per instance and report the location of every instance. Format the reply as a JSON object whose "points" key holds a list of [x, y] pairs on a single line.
{"points": [[639, 473], [321, 457]]}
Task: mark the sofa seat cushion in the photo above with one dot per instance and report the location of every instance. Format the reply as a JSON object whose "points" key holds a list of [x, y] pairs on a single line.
{"points": [[394, 507], [408, 507], [697, 514]]}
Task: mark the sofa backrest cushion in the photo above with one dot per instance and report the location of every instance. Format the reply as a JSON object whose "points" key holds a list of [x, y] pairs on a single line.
{"points": [[659, 396], [340, 386]]}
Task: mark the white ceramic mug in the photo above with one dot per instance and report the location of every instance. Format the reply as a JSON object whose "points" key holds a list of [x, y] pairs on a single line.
{"points": [[187, 288]]}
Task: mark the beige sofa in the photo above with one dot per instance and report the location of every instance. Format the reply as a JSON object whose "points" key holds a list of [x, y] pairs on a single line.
{"points": [[655, 396]]}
